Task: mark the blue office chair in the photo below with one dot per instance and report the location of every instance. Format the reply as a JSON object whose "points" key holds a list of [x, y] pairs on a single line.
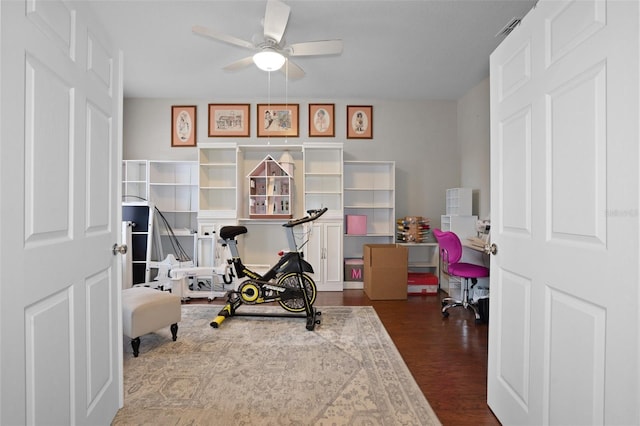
{"points": [[450, 254]]}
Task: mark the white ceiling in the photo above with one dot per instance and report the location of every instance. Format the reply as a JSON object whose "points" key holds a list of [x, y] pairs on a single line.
{"points": [[393, 49]]}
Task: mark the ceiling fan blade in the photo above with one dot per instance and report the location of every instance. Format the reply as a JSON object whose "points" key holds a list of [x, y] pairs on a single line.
{"points": [[276, 17], [310, 48], [207, 32], [242, 63], [292, 70]]}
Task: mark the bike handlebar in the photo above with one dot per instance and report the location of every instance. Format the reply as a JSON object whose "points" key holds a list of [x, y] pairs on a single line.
{"points": [[313, 215]]}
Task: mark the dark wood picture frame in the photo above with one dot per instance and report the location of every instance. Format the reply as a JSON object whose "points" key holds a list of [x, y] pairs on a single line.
{"points": [[229, 120], [184, 126], [359, 122], [322, 120], [277, 120]]}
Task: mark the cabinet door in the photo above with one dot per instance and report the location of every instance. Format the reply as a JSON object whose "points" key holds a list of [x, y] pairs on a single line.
{"points": [[324, 252], [314, 250], [333, 275]]}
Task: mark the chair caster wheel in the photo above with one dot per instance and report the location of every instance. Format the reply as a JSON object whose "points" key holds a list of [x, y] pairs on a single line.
{"points": [[445, 314], [478, 321]]}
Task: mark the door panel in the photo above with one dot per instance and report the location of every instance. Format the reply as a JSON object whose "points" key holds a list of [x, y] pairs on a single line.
{"points": [[564, 113], [48, 136]]}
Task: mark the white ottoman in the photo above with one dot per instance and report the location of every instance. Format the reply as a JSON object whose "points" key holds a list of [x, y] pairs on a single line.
{"points": [[145, 310]]}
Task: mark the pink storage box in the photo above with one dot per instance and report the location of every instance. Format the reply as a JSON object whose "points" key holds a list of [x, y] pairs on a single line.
{"points": [[356, 224]]}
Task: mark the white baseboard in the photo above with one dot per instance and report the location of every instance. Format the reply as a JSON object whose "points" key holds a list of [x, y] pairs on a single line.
{"points": [[353, 285]]}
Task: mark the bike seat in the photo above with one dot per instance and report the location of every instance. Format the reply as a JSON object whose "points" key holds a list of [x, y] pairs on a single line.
{"points": [[229, 232]]}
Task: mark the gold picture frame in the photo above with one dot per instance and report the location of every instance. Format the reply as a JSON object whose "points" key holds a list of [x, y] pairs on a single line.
{"points": [[322, 120], [183, 126], [277, 120], [359, 122], [229, 120]]}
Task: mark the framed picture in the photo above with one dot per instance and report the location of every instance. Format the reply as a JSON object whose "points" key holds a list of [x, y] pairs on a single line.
{"points": [[359, 122], [183, 125], [229, 120], [277, 120], [321, 121]]}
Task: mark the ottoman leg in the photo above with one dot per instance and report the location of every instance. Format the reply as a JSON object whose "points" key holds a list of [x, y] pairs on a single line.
{"points": [[174, 331], [135, 344]]}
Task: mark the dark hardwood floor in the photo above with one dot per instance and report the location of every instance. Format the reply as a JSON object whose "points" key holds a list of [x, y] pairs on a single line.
{"points": [[447, 357]]}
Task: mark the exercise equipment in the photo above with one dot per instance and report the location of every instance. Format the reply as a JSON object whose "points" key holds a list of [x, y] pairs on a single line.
{"points": [[287, 282]]}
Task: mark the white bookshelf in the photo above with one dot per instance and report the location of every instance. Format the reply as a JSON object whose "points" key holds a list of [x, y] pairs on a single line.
{"points": [[134, 181], [218, 180], [173, 188], [369, 190], [323, 171]]}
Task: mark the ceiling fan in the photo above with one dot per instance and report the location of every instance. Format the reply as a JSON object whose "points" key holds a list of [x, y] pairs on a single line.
{"points": [[272, 44]]}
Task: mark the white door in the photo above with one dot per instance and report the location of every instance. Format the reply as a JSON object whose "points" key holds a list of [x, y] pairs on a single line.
{"points": [[59, 172], [563, 333]]}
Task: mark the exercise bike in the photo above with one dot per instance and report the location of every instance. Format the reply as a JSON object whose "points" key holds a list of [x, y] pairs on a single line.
{"points": [[286, 282]]}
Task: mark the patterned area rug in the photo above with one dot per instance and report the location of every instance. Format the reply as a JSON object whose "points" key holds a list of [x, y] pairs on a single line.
{"points": [[272, 371]]}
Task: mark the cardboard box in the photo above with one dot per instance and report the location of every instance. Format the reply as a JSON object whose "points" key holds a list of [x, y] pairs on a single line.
{"points": [[385, 271], [353, 269], [422, 283], [356, 224]]}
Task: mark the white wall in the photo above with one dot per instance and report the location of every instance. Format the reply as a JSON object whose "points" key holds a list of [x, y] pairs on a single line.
{"points": [[475, 140], [421, 136]]}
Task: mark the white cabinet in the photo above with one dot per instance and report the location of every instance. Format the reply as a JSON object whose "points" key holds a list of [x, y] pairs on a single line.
{"points": [[218, 180], [323, 178], [324, 253], [134, 181], [369, 190]]}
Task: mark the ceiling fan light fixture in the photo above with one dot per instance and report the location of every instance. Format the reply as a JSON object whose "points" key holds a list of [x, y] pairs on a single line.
{"points": [[268, 60]]}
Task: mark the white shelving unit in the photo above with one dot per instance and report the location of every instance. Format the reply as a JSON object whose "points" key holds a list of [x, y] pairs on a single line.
{"points": [[218, 182], [173, 188], [323, 174], [369, 190], [134, 181], [423, 257], [323, 164], [459, 202]]}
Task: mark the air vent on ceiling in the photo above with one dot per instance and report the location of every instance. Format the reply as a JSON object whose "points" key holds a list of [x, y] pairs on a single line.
{"points": [[514, 22]]}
